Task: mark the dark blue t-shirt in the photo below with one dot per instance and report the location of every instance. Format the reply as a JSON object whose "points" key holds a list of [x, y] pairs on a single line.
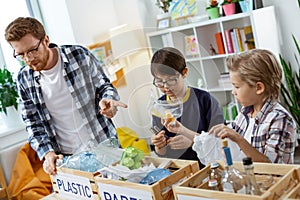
{"points": [[200, 112]]}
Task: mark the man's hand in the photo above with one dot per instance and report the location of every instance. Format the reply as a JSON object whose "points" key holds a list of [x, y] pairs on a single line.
{"points": [[49, 164], [109, 107]]}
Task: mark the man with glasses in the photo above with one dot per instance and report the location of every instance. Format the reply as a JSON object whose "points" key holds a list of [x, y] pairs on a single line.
{"points": [[200, 110], [65, 97]]}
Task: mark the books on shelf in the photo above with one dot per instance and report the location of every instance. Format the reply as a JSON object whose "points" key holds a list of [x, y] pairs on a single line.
{"points": [[243, 38], [229, 43], [191, 48], [230, 112], [249, 37], [239, 39], [220, 44], [235, 41]]}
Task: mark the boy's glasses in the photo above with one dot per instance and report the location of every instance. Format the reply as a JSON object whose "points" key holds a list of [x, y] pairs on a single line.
{"points": [[31, 52], [169, 82]]}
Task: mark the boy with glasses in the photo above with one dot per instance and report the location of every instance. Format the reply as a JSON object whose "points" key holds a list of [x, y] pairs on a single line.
{"points": [[200, 110], [61, 92]]}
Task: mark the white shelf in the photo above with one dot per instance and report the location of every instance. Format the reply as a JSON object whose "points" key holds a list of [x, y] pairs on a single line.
{"points": [[207, 67], [219, 89]]}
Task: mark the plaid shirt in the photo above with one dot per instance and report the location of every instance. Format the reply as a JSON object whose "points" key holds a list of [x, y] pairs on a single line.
{"points": [[273, 132], [87, 84]]}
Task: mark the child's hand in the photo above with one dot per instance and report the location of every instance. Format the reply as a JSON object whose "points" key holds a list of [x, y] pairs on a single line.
{"points": [[179, 142], [222, 131], [159, 140], [172, 126]]}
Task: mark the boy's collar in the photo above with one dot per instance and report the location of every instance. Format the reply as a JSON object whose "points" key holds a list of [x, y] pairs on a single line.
{"points": [[185, 98], [265, 108]]}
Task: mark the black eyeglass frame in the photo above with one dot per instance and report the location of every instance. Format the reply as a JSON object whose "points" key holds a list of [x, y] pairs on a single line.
{"points": [[166, 82], [21, 56]]}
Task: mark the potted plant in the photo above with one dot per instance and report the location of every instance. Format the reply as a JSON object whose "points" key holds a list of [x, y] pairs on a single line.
{"points": [[164, 5], [246, 5], [8, 97], [290, 91], [229, 6], [213, 9]]}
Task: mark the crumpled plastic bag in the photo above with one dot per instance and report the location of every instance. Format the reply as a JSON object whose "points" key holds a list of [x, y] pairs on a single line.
{"points": [[84, 161], [120, 172], [93, 158], [155, 175], [208, 148]]}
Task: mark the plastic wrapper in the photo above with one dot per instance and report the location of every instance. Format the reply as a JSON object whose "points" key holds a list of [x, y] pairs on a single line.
{"points": [[120, 172], [165, 109], [95, 158], [155, 175], [208, 148], [84, 161]]}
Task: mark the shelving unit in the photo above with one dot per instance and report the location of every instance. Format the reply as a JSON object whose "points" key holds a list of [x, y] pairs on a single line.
{"points": [[206, 66]]}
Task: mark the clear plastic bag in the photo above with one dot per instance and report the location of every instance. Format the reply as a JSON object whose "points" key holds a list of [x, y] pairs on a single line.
{"points": [[120, 172], [95, 157], [165, 109], [84, 161]]}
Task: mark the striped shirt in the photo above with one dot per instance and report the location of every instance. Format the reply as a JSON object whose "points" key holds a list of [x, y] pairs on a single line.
{"points": [[87, 84], [274, 131]]}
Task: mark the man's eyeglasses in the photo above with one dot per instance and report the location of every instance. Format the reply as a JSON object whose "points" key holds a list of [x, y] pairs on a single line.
{"points": [[32, 52], [169, 82]]}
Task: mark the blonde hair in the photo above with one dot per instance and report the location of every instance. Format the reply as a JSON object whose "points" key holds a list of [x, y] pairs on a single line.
{"points": [[258, 65]]}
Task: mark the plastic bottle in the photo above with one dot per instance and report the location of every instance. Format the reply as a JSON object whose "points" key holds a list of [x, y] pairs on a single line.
{"points": [[232, 179], [216, 174], [251, 185]]}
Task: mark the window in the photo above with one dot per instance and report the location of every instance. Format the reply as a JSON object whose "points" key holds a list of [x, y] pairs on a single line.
{"points": [[9, 11]]}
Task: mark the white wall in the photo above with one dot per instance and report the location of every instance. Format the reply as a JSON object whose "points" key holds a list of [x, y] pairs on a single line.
{"points": [[288, 16], [58, 21], [91, 19], [77, 21]]}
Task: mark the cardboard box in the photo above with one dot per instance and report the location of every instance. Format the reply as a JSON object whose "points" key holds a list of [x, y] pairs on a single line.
{"points": [[161, 190], [285, 178]]}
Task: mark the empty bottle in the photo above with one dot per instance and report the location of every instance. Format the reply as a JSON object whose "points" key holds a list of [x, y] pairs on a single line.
{"points": [[216, 174], [232, 180], [251, 185]]}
